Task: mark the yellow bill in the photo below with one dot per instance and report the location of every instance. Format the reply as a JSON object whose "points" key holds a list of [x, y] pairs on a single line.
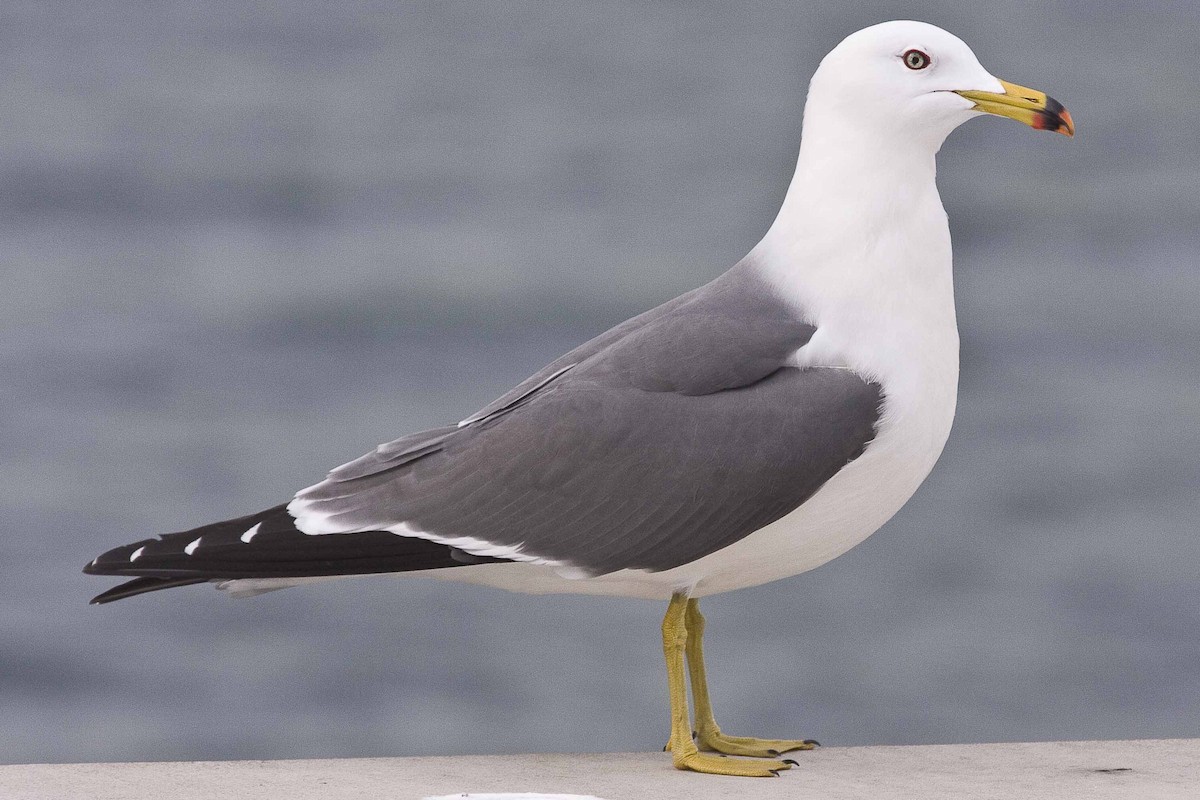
{"points": [[1030, 106]]}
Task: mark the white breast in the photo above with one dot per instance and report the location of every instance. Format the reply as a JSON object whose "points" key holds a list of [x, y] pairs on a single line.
{"points": [[854, 503], [876, 280]]}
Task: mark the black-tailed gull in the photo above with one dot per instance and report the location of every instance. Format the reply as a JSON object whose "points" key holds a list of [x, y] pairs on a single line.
{"points": [[751, 429]]}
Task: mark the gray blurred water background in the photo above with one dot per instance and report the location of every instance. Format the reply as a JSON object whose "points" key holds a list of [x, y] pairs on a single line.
{"points": [[244, 242]]}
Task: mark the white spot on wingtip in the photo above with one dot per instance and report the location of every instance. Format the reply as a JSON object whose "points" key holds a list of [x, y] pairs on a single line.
{"points": [[250, 534], [191, 548], [135, 555]]}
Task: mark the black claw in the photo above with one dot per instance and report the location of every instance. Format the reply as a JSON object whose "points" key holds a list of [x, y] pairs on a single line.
{"points": [[813, 742], [774, 772], [790, 761], [772, 752]]}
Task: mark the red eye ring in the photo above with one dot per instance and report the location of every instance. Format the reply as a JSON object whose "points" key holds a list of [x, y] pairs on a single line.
{"points": [[916, 59]]}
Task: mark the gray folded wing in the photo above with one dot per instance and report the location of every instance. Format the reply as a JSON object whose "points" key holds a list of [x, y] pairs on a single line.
{"points": [[647, 448]]}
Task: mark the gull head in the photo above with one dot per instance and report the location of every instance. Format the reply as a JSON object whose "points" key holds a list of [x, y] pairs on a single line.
{"points": [[911, 81]]}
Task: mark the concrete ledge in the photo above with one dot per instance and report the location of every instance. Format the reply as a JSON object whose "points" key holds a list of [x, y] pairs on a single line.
{"points": [[1144, 770]]}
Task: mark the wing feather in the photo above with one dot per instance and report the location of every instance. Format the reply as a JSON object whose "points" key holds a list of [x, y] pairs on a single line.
{"points": [[671, 436]]}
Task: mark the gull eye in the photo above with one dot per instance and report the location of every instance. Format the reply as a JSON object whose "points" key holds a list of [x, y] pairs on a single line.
{"points": [[915, 59]]}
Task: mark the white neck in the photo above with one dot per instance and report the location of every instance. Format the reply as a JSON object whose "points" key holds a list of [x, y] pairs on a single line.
{"points": [[861, 247], [846, 170]]}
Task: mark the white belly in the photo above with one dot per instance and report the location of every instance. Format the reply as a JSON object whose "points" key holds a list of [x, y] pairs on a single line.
{"points": [[855, 503]]}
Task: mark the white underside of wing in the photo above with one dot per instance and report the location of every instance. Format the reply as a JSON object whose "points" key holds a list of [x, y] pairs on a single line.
{"points": [[310, 520], [477, 547]]}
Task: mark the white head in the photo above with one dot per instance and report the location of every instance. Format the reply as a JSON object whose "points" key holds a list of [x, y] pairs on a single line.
{"points": [[910, 82]]}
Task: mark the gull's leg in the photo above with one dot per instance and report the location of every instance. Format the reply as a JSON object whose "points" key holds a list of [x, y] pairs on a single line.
{"points": [[708, 734], [683, 749]]}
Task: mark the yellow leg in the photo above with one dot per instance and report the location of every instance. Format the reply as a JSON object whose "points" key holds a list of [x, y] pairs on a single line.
{"points": [[683, 749], [708, 734]]}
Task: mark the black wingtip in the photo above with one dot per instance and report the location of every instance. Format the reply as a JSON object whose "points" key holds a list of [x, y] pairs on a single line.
{"points": [[141, 586], [115, 561], [264, 545]]}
